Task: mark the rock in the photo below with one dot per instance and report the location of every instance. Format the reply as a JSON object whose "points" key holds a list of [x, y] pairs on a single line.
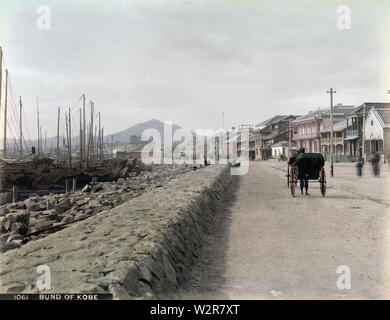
{"points": [[97, 187], [42, 225], [63, 205], [15, 236], [6, 223], [5, 246], [67, 219], [19, 227], [17, 205], [81, 202], [52, 216], [86, 188], [94, 204], [107, 203], [3, 211], [36, 206], [23, 217]]}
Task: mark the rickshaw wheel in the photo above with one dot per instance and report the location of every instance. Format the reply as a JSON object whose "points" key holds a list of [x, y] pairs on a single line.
{"points": [[288, 176], [292, 182], [323, 182]]}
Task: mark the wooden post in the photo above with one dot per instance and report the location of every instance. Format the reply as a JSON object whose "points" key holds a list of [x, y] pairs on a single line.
{"points": [[289, 138], [14, 194], [91, 130], [58, 136], [84, 128], [102, 143], [112, 146], [100, 138], [1, 73], [38, 142], [20, 128], [81, 139], [67, 186], [70, 141], [363, 134], [331, 130], [5, 114], [74, 184], [67, 131]]}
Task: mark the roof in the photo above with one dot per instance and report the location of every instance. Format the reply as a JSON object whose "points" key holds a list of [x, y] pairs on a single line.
{"points": [[274, 134], [338, 110], [383, 116], [275, 119], [311, 114], [376, 105], [337, 127], [369, 105], [283, 144]]}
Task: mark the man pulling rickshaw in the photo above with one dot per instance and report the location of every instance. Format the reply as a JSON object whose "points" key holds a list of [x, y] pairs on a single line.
{"points": [[304, 167]]}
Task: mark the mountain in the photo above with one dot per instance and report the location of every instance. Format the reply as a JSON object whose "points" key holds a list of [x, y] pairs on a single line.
{"points": [[139, 129]]}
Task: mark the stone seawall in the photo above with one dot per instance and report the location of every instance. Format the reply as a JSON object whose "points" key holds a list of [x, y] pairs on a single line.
{"points": [[142, 248]]}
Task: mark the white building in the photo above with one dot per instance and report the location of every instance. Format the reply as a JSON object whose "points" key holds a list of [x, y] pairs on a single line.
{"points": [[377, 132], [281, 148]]}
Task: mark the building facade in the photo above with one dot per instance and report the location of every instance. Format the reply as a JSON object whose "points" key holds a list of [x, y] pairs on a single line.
{"points": [[376, 132], [308, 127], [269, 132]]}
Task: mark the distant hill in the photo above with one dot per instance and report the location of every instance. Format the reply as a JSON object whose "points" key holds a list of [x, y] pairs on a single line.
{"points": [[138, 129]]}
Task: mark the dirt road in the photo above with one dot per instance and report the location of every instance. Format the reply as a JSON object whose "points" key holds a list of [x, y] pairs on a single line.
{"points": [[273, 246]]}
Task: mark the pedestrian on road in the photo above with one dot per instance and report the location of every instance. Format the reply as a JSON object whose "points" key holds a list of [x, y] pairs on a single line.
{"points": [[375, 164], [359, 167]]}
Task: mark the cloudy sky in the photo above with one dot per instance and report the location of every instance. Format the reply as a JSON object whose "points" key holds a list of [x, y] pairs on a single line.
{"points": [[188, 61]]}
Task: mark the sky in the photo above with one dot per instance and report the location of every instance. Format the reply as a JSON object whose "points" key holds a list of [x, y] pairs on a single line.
{"points": [[190, 61]]}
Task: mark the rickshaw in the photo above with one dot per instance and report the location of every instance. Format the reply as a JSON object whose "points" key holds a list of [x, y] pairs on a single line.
{"points": [[307, 166]]}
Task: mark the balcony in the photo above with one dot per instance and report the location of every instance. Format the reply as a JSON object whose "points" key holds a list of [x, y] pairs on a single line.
{"points": [[352, 133], [338, 140], [310, 135]]}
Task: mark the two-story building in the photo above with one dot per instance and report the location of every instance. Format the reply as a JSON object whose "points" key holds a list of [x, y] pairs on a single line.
{"points": [[354, 134], [339, 134], [377, 132], [269, 132], [308, 127]]}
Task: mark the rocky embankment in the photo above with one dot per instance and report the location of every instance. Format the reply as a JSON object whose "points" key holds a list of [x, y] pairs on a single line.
{"points": [[142, 248], [36, 217]]}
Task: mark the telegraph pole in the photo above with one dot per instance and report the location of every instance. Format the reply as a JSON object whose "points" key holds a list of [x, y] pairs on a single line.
{"points": [[331, 92], [289, 138]]}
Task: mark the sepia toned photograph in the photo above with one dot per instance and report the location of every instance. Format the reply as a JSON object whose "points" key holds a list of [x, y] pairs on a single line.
{"points": [[198, 156]]}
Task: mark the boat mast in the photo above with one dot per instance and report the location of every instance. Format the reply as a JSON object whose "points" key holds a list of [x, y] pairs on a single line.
{"points": [[5, 114], [20, 129]]}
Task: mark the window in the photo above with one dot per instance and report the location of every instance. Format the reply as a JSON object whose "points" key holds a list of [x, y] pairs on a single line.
{"points": [[372, 122]]}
